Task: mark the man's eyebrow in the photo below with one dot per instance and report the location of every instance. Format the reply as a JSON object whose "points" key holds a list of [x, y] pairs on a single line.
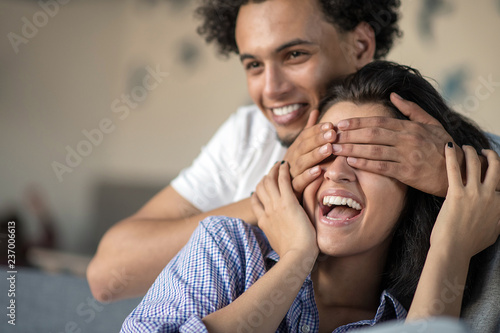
{"points": [[291, 43], [294, 42]]}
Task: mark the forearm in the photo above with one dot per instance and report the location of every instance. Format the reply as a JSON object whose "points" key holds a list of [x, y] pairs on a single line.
{"points": [[441, 285], [138, 249], [134, 251], [276, 290]]}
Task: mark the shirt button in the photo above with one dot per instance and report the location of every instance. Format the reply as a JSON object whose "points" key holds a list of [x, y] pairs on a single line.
{"points": [[305, 329]]}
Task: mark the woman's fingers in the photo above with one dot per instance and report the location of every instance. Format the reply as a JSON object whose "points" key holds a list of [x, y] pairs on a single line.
{"points": [[271, 182], [285, 183], [492, 177], [452, 166], [262, 188], [472, 166], [257, 206]]}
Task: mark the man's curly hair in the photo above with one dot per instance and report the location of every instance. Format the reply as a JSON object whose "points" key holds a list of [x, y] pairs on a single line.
{"points": [[219, 20]]}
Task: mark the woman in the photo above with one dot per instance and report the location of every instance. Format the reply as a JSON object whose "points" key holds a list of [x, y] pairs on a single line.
{"points": [[352, 252]]}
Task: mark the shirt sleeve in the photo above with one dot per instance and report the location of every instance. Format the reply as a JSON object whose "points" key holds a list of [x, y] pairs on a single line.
{"points": [[495, 140], [211, 180], [208, 273]]}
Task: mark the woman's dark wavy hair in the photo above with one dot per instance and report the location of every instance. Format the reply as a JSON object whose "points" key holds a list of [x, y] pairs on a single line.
{"points": [[219, 20], [373, 84]]}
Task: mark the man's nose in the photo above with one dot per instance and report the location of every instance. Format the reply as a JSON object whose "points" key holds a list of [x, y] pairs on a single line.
{"points": [[276, 83], [339, 171]]}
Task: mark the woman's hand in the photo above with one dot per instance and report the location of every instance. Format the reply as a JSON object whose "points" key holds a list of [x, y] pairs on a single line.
{"points": [[281, 216], [469, 220]]}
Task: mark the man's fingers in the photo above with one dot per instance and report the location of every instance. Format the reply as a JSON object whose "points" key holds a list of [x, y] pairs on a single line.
{"points": [[412, 110], [369, 135], [371, 152], [492, 177], [452, 166], [300, 182], [384, 168], [314, 157], [313, 118], [365, 122], [308, 140]]}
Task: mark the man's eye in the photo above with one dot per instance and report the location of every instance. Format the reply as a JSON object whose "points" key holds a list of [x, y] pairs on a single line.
{"points": [[251, 65], [295, 54]]}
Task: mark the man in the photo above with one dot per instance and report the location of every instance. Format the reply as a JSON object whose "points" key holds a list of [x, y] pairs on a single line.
{"points": [[289, 50]]}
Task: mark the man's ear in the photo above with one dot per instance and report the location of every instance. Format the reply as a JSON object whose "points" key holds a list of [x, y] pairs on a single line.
{"points": [[364, 44]]}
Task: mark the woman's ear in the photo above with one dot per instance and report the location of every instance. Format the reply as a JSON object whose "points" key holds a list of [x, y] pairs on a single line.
{"points": [[364, 44]]}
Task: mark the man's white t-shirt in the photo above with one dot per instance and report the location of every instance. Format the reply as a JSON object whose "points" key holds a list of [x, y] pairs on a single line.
{"points": [[231, 165]]}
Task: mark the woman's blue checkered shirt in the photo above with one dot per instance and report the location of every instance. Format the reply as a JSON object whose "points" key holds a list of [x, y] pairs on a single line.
{"points": [[223, 258]]}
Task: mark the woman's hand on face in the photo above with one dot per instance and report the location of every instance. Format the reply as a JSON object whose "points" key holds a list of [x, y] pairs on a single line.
{"points": [[280, 215], [469, 220]]}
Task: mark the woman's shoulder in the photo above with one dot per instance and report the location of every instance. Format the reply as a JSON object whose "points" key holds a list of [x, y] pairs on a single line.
{"points": [[233, 233]]}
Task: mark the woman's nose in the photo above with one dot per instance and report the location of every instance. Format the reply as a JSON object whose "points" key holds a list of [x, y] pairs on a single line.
{"points": [[339, 171]]}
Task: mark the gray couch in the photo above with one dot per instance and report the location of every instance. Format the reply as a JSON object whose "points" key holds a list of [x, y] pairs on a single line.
{"points": [[48, 303]]}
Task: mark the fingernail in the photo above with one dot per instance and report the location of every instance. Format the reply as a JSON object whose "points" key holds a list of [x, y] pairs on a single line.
{"points": [[323, 149], [450, 144], [282, 162], [397, 96], [352, 160], [325, 127], [328, 135], [343, 124], [315, 170], [337, 148], [252, 193]]}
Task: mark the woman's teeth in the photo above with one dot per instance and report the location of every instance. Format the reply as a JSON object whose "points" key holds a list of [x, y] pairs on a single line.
{"points": [[286, 109], [341, 201]]}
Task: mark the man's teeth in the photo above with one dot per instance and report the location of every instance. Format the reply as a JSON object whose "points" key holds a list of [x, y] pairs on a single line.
{"points": [[286, 109], [341, 201]]}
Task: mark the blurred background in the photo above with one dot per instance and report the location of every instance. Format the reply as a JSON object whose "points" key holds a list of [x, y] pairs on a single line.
{"points": [[102, 103]]}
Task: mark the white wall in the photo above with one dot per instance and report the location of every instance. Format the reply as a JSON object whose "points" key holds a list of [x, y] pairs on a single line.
{"points": [[65, 79], [460, 53]]}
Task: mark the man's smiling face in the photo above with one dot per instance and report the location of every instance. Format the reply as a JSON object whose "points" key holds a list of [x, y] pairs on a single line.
{"points": [[290, 52]]}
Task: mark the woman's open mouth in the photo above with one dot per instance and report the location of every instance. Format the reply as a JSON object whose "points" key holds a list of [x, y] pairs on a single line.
{"points": [[339, 210]]}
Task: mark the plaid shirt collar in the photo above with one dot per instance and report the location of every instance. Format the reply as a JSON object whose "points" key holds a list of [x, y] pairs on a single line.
{"points": [[389, 308]]}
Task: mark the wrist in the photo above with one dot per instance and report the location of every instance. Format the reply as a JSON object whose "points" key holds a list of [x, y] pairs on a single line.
{"points": [[301, 260], [449, 254]]}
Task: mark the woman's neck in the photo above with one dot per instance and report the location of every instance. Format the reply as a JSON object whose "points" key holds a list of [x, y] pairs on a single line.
{"points": [[349, 282]]}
